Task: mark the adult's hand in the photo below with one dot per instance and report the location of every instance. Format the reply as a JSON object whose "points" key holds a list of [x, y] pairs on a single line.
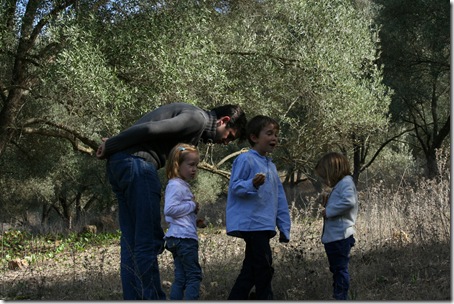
{"points": [[101, 152]]}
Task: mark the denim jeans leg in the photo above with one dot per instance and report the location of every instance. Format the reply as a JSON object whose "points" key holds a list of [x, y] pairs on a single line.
{"points": [[138, 189], [188, 273], [179, 281], [338, 253], [118, 172], [190, 260], [128, 267]]}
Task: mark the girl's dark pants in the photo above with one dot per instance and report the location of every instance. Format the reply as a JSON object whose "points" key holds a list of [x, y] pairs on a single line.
{"points": [[338, 253], [257, 268]]}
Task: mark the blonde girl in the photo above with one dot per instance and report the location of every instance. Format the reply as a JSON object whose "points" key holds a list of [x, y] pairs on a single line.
{"points": [[180, 210]]}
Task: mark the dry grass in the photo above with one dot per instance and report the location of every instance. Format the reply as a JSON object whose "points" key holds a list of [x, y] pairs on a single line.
{"points": [[402, 253]]}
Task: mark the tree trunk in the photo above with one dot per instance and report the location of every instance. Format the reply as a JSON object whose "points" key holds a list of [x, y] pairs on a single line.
{"points": [[358, 161], [432, 164], [22, 79]]}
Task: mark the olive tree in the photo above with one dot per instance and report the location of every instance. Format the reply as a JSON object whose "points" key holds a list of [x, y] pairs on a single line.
{"points": [[416, 53], [313, 66], [52, 84], [76, 71]]}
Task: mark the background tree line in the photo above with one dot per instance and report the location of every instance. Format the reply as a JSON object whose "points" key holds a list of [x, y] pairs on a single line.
{"points": [[369, 78]]}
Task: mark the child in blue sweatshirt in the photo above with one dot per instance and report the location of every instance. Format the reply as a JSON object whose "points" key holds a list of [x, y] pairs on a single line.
{"points": [[256, 204]]}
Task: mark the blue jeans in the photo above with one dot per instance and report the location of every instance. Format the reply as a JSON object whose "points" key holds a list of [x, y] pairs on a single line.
{"points": [[338, 253], [188, 273], [138, 189], [257, 269]]}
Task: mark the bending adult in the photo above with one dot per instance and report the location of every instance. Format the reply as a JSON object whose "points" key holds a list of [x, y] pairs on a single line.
{"points": [[133, 158]]}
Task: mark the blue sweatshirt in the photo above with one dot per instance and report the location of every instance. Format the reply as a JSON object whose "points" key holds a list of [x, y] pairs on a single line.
{"points": [[341, 211], [179, 207], [251, 209]]}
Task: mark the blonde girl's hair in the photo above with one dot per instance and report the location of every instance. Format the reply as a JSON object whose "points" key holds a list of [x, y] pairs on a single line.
{"points": [[333, 167], [176, 157]]}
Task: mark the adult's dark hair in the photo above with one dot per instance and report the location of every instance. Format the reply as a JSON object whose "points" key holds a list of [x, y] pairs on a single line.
{"points": [[256, 124], [237, 116]]}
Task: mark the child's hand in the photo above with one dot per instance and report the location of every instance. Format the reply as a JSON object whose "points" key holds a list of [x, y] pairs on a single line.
{"points": [[200, 223], [323, 199], [282, 238], [258, 180]]}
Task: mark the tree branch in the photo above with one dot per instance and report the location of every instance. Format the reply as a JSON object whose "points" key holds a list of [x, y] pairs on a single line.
{"points": [[40, 25], [230, 156], [87, 141], [382, 146], [213, 169], [61, 131], [59, 134], [283, 60]]}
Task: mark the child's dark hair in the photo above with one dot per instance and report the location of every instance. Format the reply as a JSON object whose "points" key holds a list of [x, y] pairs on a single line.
{"points": [[333, 167], [237, 116], [256, 124]]}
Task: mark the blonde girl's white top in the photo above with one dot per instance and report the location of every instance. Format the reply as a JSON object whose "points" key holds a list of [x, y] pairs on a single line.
{"points": [[179, 210]]}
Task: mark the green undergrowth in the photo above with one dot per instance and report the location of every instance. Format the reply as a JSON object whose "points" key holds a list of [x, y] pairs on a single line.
{"points": [[17, 244]]}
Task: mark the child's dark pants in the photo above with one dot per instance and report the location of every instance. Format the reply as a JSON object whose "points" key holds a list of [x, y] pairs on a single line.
{"points": [[257, 268], [338, 253]]}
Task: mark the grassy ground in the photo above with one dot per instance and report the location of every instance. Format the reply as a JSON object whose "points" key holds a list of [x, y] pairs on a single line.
{"points": [[402, 252]]}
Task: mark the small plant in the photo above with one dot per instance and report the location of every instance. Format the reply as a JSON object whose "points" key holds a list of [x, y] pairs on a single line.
{"points": [[23, 245]]}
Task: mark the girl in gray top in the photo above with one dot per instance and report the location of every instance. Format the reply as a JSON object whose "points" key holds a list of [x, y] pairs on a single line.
{"points": [[339, 217]]}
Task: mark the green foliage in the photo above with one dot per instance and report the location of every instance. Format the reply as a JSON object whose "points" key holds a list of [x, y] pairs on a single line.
{"points": [[24, 245], [338, 51], [416, 52], [401, 167], [208, 187], [13, 240], [81, 87], [310, 65], [58, 179], [168, 57]]}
